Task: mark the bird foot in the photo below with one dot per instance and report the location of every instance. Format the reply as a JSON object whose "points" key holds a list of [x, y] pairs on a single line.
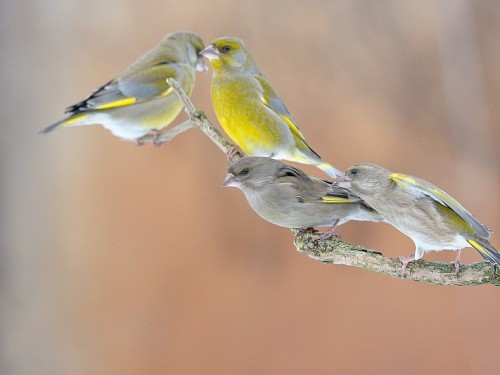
{"points": [[457, 264], [405, 261], [330, 232], [233, 151], [153, 133], [304, 231]]}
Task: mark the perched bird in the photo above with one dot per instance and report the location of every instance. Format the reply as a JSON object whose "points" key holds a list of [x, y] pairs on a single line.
{"points": [[140, 101], [286, 196], [249, 110], [425, 213]]}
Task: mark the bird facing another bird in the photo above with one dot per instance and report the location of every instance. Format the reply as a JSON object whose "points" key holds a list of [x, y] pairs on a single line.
{"points": [[286, 196], [425, 213], [249, 110], [140, 101]]}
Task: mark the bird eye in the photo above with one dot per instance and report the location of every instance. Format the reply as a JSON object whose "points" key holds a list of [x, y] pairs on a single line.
{"points": [[244, 172], [225, 49], [354, 172], [290, 174]]}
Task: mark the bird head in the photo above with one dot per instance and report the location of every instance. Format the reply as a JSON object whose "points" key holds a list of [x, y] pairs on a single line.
{"points": [[251, 173], [190, 45], [229, 53], [365, 179]]}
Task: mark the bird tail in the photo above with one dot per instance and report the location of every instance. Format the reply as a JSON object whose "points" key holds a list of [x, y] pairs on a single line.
{"points": [[487, 251], [51, 127], [69, 121], [329, 169], [305, 154]]}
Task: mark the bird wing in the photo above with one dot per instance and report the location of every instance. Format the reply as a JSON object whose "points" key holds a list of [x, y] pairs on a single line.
{"points": [[311, 189], [422, 188], [136, 87], [273, 102], [337, 194]]}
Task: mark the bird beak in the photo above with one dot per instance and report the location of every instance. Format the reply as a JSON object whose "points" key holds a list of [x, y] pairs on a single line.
{"points": [[201, 66], [210, 52], [230, 180], [343, 182]]}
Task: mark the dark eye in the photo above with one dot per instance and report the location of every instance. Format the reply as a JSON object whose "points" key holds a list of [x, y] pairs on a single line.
{"points": [[244, 172], [354, 172], [225, 49]]}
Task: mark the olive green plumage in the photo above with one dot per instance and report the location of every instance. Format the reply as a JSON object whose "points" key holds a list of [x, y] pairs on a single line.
{"points": [[249, 110], [140, 100]]}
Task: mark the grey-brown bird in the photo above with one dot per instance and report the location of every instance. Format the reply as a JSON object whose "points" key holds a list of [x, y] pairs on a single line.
{"points": [[288, 197], [422, 211]]}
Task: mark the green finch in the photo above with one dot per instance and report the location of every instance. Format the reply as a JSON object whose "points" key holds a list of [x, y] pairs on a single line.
{"points": [[140, 101], [249, 110], [286, 196], [425, 213]]}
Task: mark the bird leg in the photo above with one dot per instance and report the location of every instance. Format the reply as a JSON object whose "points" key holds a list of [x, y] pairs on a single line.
{"points": [[405, 261], [330, 232], [154, 134], [457, 263], [303, 231]]}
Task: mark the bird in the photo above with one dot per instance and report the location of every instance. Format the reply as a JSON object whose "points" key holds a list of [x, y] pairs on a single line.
{"points": [[139, 101], [250, 111], [286, 196], [425, 213]]}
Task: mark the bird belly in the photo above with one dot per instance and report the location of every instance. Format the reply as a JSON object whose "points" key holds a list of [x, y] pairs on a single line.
{"points": [[134, 121], [456, 242], [428, 231], [295, 214], [250, 125]]}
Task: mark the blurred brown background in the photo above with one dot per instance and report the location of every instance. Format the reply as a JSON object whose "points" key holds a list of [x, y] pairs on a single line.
{"points": [[118, 259]]}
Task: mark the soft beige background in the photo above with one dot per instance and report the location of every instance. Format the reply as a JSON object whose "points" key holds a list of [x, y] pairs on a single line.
{"points": [[118, 259]]}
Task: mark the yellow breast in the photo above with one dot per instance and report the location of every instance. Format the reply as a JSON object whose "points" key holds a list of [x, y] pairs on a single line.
{"points": [[245, 118]]}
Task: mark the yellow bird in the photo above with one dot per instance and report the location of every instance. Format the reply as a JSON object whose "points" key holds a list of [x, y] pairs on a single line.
{"points": [[249, 110], [140, 101]]}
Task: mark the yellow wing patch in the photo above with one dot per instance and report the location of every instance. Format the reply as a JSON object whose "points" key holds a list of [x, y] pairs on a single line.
{"points": [[293, 127], [337, 200], [129, 101], [396, 177], [167, 91], [118, 103], [72, 120], [477, 246], [411, 183], [295, 130]]}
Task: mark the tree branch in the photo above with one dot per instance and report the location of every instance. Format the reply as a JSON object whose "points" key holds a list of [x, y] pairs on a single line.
{"points": [[335, 251], [168, 135]]}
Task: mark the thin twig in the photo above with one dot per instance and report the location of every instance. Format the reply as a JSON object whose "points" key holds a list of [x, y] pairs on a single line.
{"points": [[200, 119], [170, 134]]}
